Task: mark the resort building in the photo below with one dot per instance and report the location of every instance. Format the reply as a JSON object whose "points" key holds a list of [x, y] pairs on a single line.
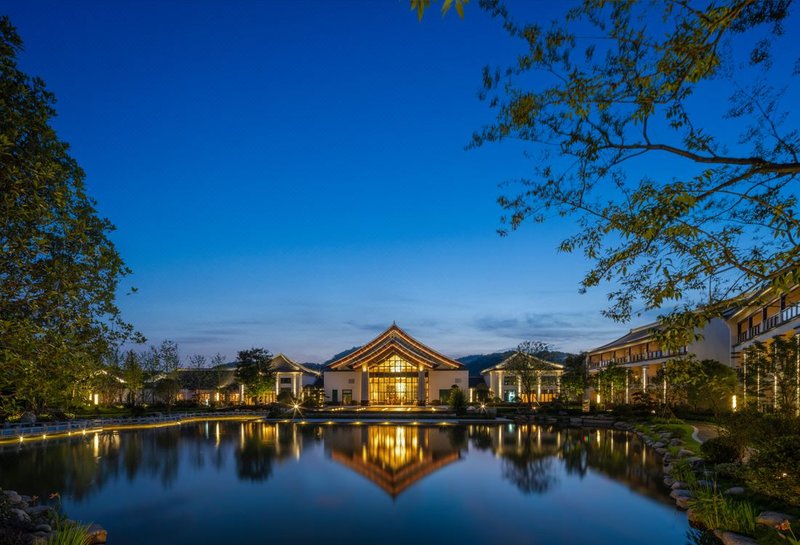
{"points": [[393, 369], [760, 322], [642, 355], [206, 386], [292, 377], [765, 341], [507, 384]]}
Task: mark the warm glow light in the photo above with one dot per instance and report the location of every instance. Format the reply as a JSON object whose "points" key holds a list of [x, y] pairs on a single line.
{"points": [[733, 402], [598, 398], [96, 399]]}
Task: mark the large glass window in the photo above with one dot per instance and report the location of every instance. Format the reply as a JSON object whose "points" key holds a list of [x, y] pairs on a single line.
{"points": [[394, 382]]}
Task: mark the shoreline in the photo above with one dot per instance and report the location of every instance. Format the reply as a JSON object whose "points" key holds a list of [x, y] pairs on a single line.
{"points": [[43, 432]]}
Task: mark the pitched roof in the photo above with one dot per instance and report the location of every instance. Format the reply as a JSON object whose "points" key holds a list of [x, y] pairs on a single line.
{"points": [[394, 341], [205, 379], [285, 364], [633, 336], [503, 364]]}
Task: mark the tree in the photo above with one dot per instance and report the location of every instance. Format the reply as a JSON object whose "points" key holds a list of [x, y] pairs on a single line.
{"points": [[255, 371], [457, 400], [218, 360], [168, 381], [618, 87], [526, 364], [133, 375], [574, 379], [773, 375], [698, 385], [59, 271], [610, 384], [198, 361], [421, 5]]}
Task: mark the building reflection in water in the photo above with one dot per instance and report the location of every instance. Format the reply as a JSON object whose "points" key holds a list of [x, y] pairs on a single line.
{"points": [[392, 457]]}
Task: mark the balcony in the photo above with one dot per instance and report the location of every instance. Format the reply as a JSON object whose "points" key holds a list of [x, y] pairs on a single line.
{"points": [[636, 358], [786, 315]]}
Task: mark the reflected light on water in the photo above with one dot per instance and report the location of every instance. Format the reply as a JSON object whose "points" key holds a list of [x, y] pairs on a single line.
{"points": [[257, 469]]}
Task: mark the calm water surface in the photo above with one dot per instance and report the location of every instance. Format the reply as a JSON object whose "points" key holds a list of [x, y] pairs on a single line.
{"points": [[230, 482]]}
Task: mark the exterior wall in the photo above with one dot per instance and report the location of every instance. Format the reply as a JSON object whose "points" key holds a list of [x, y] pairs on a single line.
{"points": [[497, 385], [437, 380], [780, 316], [339, 381], [715, 344], [444, 380]]}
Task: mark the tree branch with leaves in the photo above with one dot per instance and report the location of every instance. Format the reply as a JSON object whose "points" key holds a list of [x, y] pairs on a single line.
{"points": [[670, 207]]}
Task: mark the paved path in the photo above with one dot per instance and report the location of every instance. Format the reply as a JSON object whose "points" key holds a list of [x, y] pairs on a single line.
{"points": [[704, 431]]}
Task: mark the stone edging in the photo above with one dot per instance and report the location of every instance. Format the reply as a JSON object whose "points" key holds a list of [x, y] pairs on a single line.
{"points": [[38, 521]]}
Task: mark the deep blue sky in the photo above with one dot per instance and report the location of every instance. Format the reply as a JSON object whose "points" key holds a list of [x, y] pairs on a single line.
{"points": [[293, 175]]}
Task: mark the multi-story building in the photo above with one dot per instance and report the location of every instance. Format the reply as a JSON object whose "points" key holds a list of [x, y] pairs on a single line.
{"points": [[756, 325], [642, 354], [759, 322]]}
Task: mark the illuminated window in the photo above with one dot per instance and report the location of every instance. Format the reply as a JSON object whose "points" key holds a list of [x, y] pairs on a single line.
{"points": [[394, 382]]}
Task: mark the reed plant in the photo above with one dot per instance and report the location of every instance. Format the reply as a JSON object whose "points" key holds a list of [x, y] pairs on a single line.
{"points": [[69, 532], [719, 512]]}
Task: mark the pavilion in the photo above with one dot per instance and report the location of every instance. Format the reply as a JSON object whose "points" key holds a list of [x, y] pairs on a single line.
{"points": [[393, 369]]}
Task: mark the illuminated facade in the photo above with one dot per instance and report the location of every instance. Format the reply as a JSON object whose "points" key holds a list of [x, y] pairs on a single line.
{"points": [[291, 377], [506, 384], [393, 369], [754, 330], [641, 355]]}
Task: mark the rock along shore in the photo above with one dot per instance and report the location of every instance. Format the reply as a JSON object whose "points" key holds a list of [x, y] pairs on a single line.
{"points": [[28, 522]]}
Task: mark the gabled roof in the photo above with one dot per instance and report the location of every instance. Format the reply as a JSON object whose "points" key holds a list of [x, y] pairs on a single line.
{"points": [[205, 379], [503, 364], [394, 341], [633, 336], [284, 364]]}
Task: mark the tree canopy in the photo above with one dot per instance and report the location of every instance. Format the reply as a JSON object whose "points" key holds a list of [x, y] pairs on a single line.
{"points": [[254, 370], [528, 366], [59, 271], [680, 199]]}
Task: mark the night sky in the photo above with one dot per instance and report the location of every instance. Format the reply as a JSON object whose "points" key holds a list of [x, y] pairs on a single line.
{"points": [[293, 175]]}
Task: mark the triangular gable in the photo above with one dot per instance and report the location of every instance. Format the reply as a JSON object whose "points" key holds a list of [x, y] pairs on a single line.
{"points": [[283, 363], [394, 341]]}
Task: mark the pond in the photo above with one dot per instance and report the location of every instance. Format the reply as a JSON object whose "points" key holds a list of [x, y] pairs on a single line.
{"points": [[234, 482]]}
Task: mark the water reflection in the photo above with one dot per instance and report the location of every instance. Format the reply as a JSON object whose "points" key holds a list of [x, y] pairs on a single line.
{"points": [[392, 457]]}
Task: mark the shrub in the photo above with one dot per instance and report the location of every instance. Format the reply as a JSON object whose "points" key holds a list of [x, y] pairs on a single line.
{"points": [[721, 450], [775, 469], [458, 402]]}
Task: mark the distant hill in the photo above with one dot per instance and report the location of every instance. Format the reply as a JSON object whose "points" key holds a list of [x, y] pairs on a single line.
{"points": [[478, 362], [341, 355]]}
